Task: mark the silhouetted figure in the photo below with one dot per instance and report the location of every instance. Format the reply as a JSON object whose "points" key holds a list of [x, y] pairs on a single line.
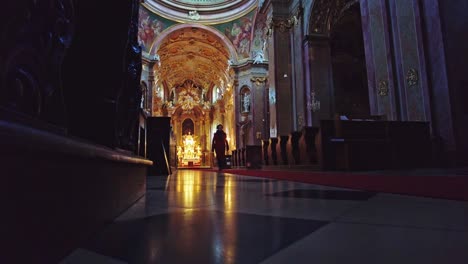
{"points": [[220, 145]]}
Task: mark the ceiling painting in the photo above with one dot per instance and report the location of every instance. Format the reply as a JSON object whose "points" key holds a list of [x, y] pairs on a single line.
{"points": [[149, 28], [239, 33], [193, 54]]}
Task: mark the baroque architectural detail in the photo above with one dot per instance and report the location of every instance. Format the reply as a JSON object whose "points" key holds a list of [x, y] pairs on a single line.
{"points": [[383, 88], [285, 24], [412, 77], [193, 54], [218, 11], [258, 80], [193, 15]]}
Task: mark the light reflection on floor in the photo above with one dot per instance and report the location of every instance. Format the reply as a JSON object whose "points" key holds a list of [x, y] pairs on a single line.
{"points": [[208, 217]]}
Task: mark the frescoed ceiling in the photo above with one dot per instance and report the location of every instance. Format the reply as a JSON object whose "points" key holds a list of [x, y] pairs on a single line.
{"points": [[193, 54]]}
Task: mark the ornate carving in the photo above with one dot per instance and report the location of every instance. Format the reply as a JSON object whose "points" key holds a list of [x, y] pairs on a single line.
{"points": [[203, 61], [383, 88], [412, 77], [285, 24], [258, 80], [193, 15], [31, 54], [189, 97]]}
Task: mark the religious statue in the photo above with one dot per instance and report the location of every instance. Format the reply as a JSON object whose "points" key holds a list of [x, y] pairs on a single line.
{"points": [[247, 102], [259, 57]]}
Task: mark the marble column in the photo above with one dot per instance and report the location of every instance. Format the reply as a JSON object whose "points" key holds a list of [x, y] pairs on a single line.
{"points": [[147, 76], [257, 108], [281, 90], [299, 106], [307, 83], [150, 91], [380, 74], [442, 120], [410, 61]]}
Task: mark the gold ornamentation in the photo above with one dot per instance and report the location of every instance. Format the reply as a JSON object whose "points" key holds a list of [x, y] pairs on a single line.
{"points": [[204, 61], [258, 80], [412, 77], [383, 88]]}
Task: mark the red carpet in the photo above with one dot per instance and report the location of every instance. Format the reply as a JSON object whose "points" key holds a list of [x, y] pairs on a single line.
{"points": [[446, 187]]}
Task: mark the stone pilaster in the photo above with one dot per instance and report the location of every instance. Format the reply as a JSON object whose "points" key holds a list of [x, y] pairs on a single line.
{"points": [[258, 108], [410, 60], [380, 74], [319, 81]]}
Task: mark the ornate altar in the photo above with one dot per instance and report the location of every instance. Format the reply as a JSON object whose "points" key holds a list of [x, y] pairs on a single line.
{"points": [[189, 154]]}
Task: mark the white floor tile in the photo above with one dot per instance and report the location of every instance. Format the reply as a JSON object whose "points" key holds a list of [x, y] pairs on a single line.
{"points": [[370, 244]]}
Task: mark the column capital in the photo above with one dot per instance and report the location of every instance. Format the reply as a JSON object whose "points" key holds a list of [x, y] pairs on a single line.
{"points": [[286, 22]]}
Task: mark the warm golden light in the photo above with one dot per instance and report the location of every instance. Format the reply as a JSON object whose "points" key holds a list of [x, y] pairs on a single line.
{"points": [[190, 152]]}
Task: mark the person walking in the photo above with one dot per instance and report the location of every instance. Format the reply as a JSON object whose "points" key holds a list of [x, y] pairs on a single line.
{"points": [[220, 146]]}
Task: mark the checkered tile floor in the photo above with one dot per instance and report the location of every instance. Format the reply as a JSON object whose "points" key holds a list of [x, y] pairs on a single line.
{"points": [[208, 217]]}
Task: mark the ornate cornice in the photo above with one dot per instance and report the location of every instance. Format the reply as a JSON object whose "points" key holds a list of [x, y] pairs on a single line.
{"points": [[204, 14], [284, 24]]}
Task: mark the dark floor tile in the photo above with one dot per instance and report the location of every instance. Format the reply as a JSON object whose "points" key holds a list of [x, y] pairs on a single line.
{"points": [[156, 188], [201, 236], [325, 194]]}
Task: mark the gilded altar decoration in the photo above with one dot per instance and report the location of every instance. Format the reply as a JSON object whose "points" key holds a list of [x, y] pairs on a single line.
{"points": [[412, 77], [383, 88], [189, 154], [189, 97]]}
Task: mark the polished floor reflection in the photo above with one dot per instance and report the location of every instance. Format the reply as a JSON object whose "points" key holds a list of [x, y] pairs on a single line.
{"points": [[208, 217]]}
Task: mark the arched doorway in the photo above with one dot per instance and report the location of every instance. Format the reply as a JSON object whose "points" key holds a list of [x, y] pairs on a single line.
{"points": [[337, 65]]}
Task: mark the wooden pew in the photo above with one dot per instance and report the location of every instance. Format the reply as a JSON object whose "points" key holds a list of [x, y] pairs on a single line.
{"points": [[368, 145]]}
